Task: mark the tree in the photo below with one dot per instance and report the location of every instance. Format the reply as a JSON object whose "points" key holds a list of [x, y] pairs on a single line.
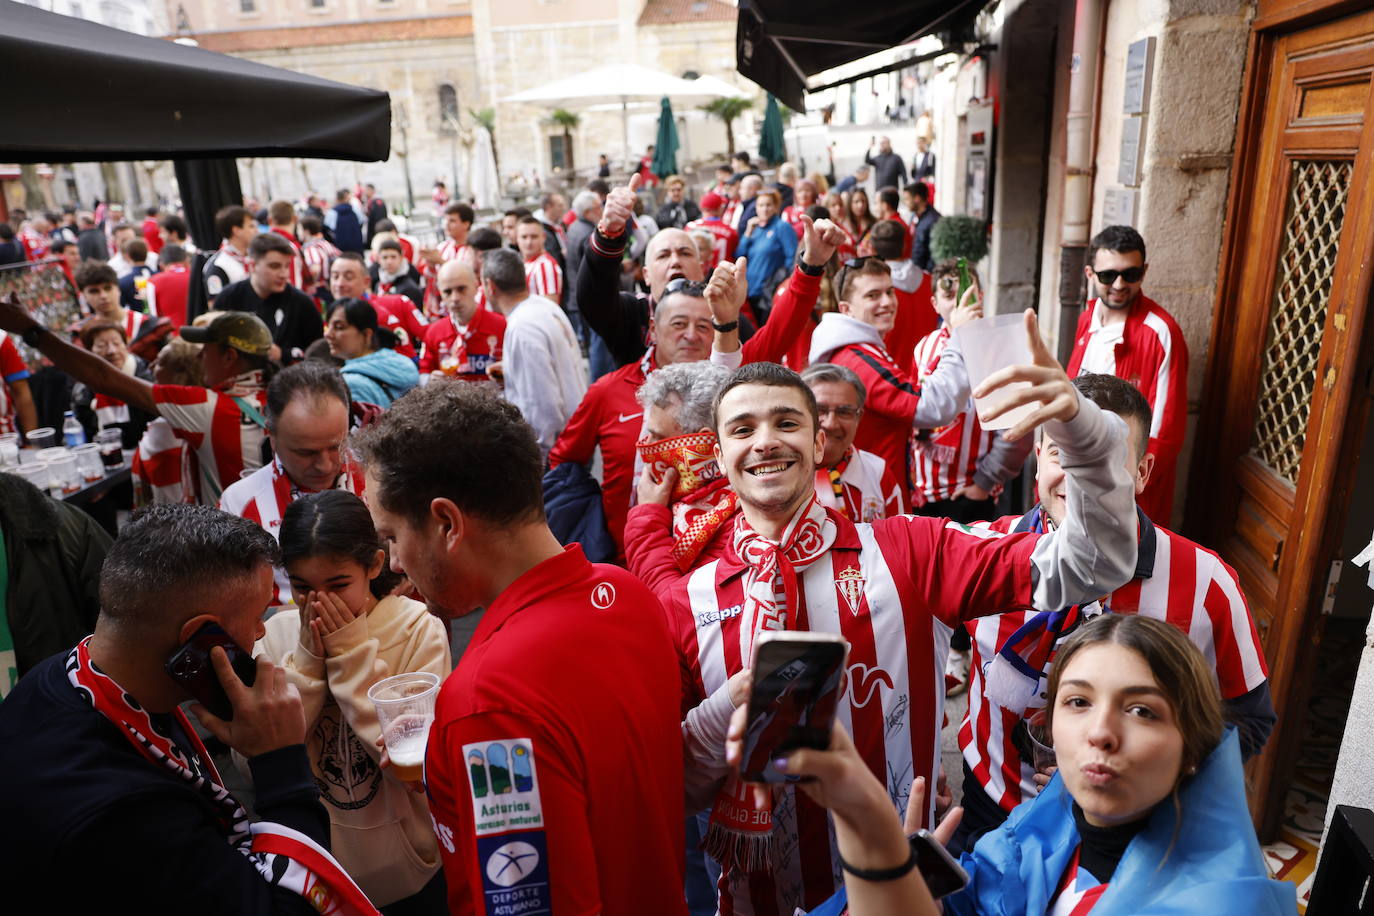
{"points": [[568, 121], [728, 108], [486, 117]]}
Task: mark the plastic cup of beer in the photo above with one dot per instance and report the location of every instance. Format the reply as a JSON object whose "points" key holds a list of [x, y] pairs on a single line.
{"points": [[42, 437], [990, 344], [110, 442], [88, 462], [65, 474], [405, 711]]}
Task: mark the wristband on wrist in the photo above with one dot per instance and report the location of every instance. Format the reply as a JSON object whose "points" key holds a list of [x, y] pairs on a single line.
{"points": [[881, 874], [727, 327], [31, 336], [811, 271]]}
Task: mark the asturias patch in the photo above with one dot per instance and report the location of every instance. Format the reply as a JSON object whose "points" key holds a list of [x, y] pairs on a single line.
{"points": [[505, 786]]}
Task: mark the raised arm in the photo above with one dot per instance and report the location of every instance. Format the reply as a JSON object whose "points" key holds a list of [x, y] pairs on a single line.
{"points": [[80, 364]]}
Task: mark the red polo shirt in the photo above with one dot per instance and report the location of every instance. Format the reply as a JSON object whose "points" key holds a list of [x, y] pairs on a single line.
{"points": [[554, 766]]}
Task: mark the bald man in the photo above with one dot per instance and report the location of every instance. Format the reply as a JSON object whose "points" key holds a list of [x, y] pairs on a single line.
{"points": [[468, 339], [622, 319]]}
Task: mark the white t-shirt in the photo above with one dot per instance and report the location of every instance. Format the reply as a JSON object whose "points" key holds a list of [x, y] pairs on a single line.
{"points": [[545, 375]]}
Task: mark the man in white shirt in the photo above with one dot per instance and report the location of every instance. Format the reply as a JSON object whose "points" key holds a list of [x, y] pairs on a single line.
{"points": [[542, 365]]}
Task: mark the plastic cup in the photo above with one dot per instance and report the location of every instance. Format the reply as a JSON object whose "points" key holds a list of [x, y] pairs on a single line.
{"points": [[42, 437], [52, 453], [990, 344], [88, 462], [65, 474], [9, 454], [110, 442], [1041, 741], [405, 711], [35, 472]]}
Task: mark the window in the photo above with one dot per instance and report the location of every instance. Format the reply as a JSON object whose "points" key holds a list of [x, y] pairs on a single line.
{"points": [[248, 6], [448, 109], [317, 4]]}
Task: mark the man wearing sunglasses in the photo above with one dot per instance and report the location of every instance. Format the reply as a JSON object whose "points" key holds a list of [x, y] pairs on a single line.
{"points": [[1125, 333]]}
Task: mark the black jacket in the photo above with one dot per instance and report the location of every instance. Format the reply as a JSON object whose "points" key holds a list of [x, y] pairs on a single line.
{"points": [[105, 830], [620, 319], [54, 552]]}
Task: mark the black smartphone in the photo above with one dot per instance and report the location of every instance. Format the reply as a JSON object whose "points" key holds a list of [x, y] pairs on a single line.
{"points": [[943, 875], [190, 667], [792, 700]]}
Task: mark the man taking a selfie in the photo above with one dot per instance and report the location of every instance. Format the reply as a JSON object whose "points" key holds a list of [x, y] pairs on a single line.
{"points": [[894, 589]]}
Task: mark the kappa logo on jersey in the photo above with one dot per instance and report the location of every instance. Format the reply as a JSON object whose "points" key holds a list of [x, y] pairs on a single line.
{"points": [[864, 682], [706, 618], [515, 874], [603, 595], [850, 585], [505, 786]]}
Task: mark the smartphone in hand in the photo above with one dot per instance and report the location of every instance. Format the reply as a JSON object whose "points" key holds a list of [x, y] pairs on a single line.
{"points": [[190, 667], [943, 875], [792, 700]]}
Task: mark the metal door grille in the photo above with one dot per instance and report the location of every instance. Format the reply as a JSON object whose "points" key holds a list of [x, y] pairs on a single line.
{"points": [[1317, 194]]}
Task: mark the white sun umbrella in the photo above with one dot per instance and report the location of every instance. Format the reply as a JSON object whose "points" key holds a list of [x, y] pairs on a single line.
{"points": [[486, 185], [621, 83]]}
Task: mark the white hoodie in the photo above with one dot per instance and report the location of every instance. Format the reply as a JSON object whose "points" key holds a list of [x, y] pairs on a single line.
{"points": [[943, 395]]}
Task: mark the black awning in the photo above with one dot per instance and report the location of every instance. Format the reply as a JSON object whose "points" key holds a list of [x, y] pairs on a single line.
{"points": [[82, 92], [780, 43]]}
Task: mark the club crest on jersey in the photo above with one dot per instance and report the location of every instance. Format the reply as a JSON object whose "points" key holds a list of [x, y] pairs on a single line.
{"points": [[505, 785], [603, 595], [850, 585]]}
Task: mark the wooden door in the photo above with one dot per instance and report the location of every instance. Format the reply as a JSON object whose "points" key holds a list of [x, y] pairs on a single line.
{"points": [[1287, 385]]}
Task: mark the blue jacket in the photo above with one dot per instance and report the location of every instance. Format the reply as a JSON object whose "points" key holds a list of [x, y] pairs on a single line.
{"points": [[1214, 865], [572, 503], [769, 248], [380, 377], [348, 229]]}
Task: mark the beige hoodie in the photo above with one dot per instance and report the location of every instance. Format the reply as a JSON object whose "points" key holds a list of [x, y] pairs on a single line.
{"points": [[380, 831]]}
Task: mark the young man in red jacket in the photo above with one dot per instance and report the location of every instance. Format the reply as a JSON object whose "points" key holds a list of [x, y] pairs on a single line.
{"points": [[896, 404], [1127, 334]]}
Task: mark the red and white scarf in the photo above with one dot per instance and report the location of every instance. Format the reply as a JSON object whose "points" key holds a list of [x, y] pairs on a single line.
{"points": [[741, 831], [284, 857], [702, 499]]}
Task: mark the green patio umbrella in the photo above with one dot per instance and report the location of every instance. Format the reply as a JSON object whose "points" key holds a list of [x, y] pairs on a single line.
{"points": [[665, 146], [771, 147]]}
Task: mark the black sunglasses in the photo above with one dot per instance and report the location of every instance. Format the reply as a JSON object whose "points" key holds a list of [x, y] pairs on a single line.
{"points": [[1130, 275], [851, 264], [693, 288]]}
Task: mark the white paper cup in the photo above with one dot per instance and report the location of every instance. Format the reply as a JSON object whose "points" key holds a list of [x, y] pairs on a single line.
{"points": [[405, 711], [990, 344]]}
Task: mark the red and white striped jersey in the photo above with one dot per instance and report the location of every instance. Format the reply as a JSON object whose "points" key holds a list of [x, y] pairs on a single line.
{"points": [[544, 277], [944, 460], [1078, 891], [726, 240], [133, 323], [1176, 580], [12, 369], [263, 496], [318, 253], [869, 491], [792, 216], [227, 440], [164, 469], [893, 589]]}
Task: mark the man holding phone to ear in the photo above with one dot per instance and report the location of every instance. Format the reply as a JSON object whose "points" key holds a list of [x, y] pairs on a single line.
{"points": [[121, 806], [893, 589]]}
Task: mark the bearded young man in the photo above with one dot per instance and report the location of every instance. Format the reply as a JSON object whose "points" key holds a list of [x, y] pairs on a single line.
{"points": [[895, 589]]}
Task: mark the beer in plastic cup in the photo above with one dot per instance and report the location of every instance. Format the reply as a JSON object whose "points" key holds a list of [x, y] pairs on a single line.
{"points": [[990, 344], [405, 711]]}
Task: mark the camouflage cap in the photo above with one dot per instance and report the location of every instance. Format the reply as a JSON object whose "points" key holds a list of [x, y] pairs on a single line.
{"points": [[243, 331]]}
